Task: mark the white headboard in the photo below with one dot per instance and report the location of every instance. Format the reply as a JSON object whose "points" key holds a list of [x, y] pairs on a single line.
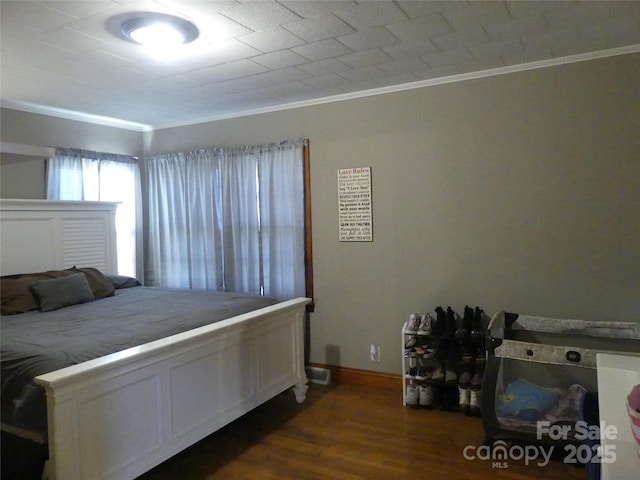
{"points": [[40, 235]]}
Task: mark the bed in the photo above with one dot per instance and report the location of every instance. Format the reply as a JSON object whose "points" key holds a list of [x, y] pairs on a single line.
{"points": [[117, 410]]}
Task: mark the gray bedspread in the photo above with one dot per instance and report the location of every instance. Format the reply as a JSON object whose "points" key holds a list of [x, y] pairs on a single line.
{"points": [[35, 343]]}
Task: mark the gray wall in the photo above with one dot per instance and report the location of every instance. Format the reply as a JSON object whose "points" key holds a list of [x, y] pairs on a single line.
{"points": [[46, 131], [516, 192], [23, 176]]}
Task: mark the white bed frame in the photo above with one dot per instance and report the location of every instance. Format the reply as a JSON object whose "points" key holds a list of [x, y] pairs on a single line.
{"points": [[118, 416]]}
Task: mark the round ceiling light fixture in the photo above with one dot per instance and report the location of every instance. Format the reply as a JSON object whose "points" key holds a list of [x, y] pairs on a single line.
{"points": [[155, 30]]}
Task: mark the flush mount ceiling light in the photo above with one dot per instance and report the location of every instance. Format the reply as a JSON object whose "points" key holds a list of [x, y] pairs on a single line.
{"points": [[156, 30]]}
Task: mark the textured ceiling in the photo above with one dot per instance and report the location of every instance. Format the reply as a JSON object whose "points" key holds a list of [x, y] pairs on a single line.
{"points": [[58, 57]]}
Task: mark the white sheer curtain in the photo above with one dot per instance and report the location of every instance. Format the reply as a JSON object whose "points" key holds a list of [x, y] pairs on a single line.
{"points": [[228, 219], [281, 175], [72, 178], [241, 221], [184, 221], [74, 174]]}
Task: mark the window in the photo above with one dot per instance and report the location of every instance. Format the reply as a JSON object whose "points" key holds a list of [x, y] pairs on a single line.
{"points": [[230, 220], [83, 175]]}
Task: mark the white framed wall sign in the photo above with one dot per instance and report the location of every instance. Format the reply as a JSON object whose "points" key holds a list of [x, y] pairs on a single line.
{"points": [[354, 204]]}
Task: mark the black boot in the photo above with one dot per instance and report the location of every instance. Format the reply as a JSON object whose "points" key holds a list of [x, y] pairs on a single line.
{"points": [[441, 320], [462, 334], [450, 325], [477, 332]]}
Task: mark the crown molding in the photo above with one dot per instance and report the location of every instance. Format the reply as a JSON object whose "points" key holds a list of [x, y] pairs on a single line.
{"points": [[119, 123], [415, 85], [74, 115]]}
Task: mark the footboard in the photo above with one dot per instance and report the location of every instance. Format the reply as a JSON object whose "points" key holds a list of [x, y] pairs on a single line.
{"points": [[118, 416]]}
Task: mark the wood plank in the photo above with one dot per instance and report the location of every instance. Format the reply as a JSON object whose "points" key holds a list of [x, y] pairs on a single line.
{"points": [[348, 432]]}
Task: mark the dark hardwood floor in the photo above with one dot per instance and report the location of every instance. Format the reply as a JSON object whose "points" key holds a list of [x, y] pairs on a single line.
{"points": [[348, 432]]}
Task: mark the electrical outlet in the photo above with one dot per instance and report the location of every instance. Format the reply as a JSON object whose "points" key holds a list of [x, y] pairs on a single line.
{"points": [[374, 353]]}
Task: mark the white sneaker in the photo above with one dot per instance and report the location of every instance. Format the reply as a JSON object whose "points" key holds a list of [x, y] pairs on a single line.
{"points": [[474, 402], [424, 328], [412, 394], [438, 375], [426, 395], [464, 398], [450, 375], [413, 323], [422, 374]]}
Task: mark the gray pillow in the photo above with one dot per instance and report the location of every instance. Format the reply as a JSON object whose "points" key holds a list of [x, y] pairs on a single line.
{"points": [[122, 281], [62, 292]]}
